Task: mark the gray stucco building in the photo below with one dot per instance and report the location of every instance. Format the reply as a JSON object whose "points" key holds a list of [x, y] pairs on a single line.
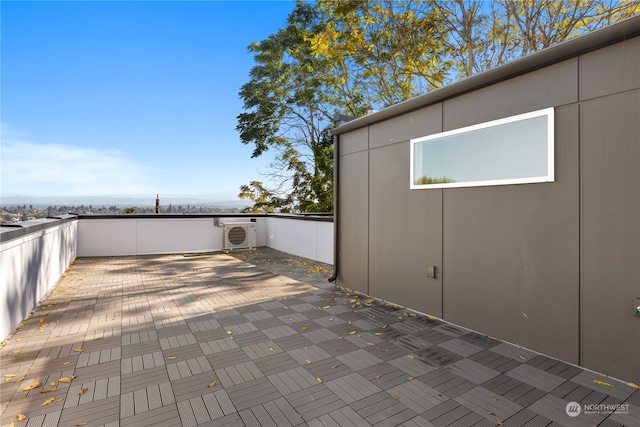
{"points": [[549, 260]]}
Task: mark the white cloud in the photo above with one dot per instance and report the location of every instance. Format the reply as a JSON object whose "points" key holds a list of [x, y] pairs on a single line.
{"points": [[42, 169]]}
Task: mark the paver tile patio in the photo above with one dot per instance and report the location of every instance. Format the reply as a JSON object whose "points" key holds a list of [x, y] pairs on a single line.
{"points": [[261, 338]]}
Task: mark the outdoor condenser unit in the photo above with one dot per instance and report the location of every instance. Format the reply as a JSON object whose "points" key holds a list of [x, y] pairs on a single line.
{"points": [[238, 235]]}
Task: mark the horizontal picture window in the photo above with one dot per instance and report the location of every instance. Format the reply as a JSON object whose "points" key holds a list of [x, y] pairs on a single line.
{"points": [[513, 150]]}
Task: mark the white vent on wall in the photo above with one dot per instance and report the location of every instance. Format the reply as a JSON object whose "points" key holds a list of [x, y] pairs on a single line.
{"points": [[238, 235]]}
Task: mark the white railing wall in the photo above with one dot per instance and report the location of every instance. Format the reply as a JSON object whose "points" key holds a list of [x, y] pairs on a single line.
{"points": [[148, 235], [308, 239], [30, 265]]}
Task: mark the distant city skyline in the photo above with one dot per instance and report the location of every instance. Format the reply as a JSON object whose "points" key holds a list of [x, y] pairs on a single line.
{"points": [[128, 99]]}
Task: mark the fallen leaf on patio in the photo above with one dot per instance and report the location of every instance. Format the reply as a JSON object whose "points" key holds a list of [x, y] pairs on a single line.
{"points": [[78, 350], [602, 383], [334, 366], [48, 401], [18, 351], [66, 363], [304, 328], [11, 424], [171, 357], [60, 400], [211, 384], [48, 390], [326, 306], [64, 380], [436, 369], [370, 343], [498, 422], [394, 397], [411, 356], [229, 332], [81, 392], [308, 361], [491, 413], [410, 378], [84, 423], [21, 417], [319, 379], [634, 385], [33, 385], [271, 350], [378, 333], [378, 376], [9, 375], [352, 333]]}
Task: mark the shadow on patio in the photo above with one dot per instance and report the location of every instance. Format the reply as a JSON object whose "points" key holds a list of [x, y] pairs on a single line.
{"points": [[261, 338]]}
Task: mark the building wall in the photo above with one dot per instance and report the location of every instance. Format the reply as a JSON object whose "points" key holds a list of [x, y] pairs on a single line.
{"points": [[551, 266]]}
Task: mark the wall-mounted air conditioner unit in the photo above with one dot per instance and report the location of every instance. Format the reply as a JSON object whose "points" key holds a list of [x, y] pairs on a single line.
{"points": [[238, 235]]}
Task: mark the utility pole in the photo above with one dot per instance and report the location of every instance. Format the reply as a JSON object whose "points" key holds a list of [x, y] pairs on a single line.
{"points": [[157, 203]]}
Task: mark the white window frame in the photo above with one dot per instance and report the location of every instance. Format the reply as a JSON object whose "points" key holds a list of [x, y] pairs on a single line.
{"points": [[549, 177]]}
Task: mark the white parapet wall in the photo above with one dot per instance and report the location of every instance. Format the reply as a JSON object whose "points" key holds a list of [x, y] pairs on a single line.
{"points": [[305, 238], [31, 264], [119, 236], [148, 235]]}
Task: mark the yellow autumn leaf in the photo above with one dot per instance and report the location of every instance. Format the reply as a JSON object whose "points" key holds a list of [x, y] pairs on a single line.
{"points": [[394, 397], [48, 401], [411, 356], [9, 375], [334, 366], [17, 351], [211, 384], [410, 378], [52, 384], [271, 350], [370, 343], [378, 376], [229, 332], [319, 379], [326, 306], [48, 390], [33, 385], [171, 358], [78, 350], [21, 417], [308, 361], [352, 333], [81, 392], [602, 383], [378, 333], [64, 380], [84, 423], [304, 328]]}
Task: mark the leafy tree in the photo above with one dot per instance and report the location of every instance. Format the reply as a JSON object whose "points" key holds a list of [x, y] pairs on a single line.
{"points": [[349, 56], [289, 109]]}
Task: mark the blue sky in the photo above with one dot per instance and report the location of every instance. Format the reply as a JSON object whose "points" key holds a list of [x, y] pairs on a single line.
{"points": [[128, 98]]}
